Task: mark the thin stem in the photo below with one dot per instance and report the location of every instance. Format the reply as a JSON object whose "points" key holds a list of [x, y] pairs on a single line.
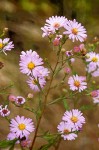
{"points": [[58, 144], [45, 100]]}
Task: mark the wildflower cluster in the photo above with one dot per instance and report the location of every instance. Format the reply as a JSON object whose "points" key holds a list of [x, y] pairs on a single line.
{"points": [[72, 85], [31, 65], [71, 124]]}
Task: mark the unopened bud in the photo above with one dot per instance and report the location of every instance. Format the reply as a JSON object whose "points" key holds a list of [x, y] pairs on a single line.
{"points": [[30, 95], [11, 98], [56, 42], [63, 50]]}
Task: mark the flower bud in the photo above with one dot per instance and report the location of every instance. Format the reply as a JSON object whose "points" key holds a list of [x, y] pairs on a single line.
{"points": [[11, 98], [56, 42], [67, 70], [30, 95]]}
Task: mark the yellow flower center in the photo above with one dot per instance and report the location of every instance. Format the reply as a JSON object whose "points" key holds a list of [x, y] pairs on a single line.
{"points": [[74, 119], [31, 66], [66, 131], [21, 126], [77, 83], [56, 25], [1, 45], [75, 31], [95, 59]]}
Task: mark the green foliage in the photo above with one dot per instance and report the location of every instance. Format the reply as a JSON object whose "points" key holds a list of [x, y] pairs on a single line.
{"points": [[5, 144], [51, 139]]}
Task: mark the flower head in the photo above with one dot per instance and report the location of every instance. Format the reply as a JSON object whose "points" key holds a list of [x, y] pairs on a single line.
{"points": [[21, 126], [92, 58], [6, 45], [77, 83], [29, 61], [11, 136], [55, 22], [75, 31], [95, 96], [34, 83], [74, 118], [19, 100], [66, 131], [4, 111]]}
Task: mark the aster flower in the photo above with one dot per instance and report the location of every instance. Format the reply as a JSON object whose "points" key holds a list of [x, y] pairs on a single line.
{"points": [[93, 59], [77, 83], [34, 82], [75, 31], [4, 111], [11, 136], [55, 22], [69, 53], [41, 72], [95, 96], [66, 131], [20, 100], [47, 31], [29, 61], [25, 143], [21, 126], [6, 45], [74, 118], [95, 73]]}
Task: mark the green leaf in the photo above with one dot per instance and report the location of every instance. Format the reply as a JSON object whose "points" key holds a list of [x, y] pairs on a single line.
{"points": [[86, 107], [65, 104], [5, 143]]}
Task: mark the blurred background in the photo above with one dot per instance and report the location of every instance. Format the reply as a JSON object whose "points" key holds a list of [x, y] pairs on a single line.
{"points": [[24, 19]]}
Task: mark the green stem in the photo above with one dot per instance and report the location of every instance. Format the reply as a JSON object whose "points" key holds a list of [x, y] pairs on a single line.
{"points": [[45, 101]]}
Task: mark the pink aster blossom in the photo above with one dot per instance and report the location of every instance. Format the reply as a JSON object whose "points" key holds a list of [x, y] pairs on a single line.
{"points": [[20, 100], [75, 31], [29, 61], [95, 96], [74, 118], [95, 73], [47, 31], [77, 83], [21, 126], [6, 45], [41, 72], [4, 111], [33, 83], [11, 136], [69, 53], [66, 131], [55, 22], [92, 58]]}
